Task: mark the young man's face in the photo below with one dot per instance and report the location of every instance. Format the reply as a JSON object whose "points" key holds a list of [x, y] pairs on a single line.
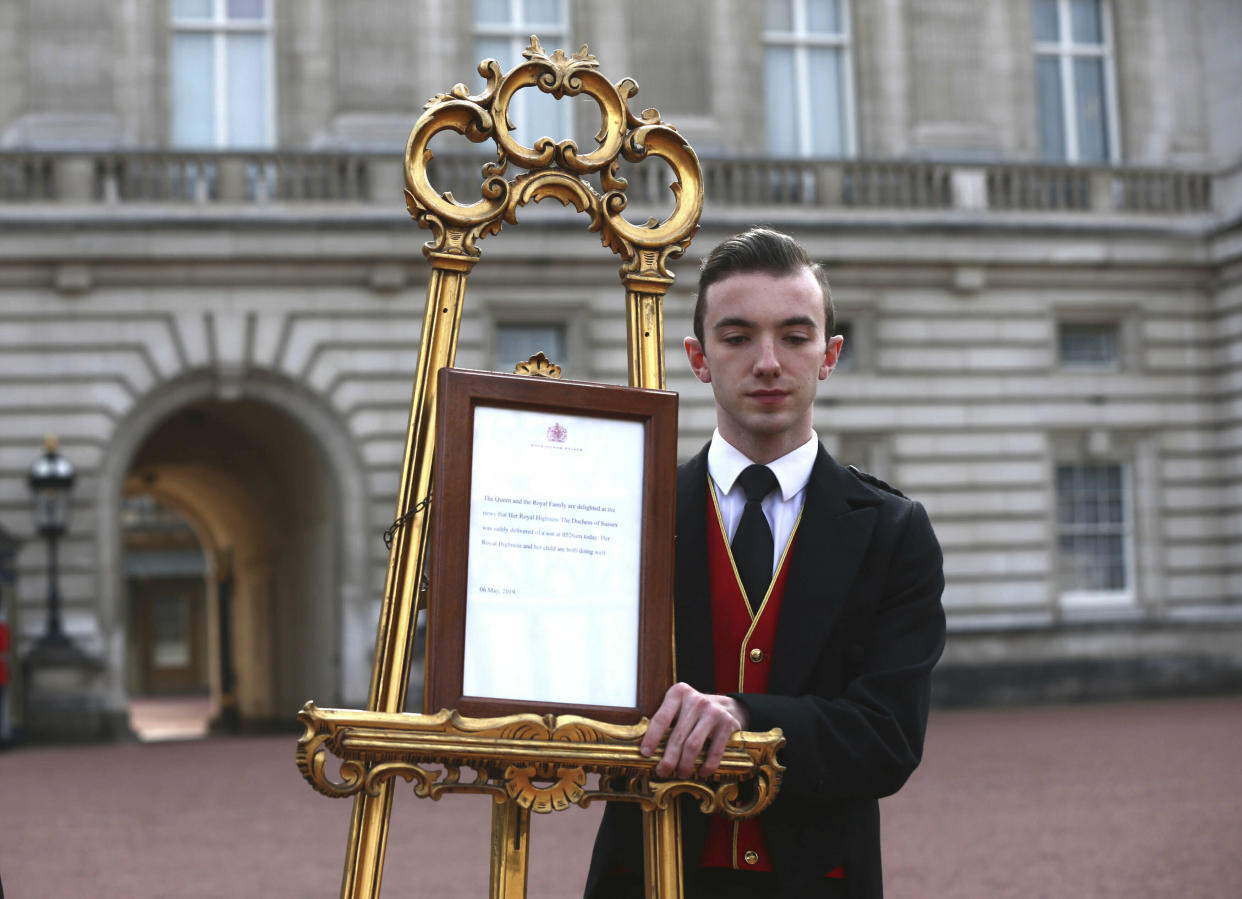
{"points": [[764, 352]]}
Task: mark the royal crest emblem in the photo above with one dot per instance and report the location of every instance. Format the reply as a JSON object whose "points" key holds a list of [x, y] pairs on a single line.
{"points": [[557, 433]]}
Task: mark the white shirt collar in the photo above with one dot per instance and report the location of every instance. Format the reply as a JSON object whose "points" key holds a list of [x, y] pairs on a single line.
{"points": [[725, 462]]}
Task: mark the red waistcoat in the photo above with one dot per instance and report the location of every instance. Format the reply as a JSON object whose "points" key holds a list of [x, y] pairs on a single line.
{"points": [[742, 645]]}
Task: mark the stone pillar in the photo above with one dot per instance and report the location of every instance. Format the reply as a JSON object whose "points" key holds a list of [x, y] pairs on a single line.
{"points": [[62, 699]]}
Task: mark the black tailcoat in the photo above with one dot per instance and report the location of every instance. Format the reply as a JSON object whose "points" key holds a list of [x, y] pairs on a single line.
{"points": [[861, 625]]}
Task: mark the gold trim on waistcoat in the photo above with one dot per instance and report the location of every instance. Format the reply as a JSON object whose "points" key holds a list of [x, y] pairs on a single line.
{"points": [[754, 616], [754, 620]]}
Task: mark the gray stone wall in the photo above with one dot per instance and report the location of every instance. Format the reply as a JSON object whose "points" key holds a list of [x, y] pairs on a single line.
{"points": [[1226, 357], [120, 312], [932, 78]]}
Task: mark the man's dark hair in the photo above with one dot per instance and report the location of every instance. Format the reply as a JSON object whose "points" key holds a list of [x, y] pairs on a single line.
{"points": [[759, 250]]}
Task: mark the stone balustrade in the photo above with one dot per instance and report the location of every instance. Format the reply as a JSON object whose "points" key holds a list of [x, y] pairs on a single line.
{"points": [[279, 177]]}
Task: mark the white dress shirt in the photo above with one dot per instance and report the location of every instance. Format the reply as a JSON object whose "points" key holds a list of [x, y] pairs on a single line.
{"points": [[781, 507]]}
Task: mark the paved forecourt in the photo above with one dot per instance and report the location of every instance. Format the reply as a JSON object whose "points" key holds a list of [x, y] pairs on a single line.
{"points": [[1094, 800]]}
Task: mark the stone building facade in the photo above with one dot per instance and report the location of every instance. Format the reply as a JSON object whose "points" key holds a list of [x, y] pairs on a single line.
{"points": [[210, 291]]}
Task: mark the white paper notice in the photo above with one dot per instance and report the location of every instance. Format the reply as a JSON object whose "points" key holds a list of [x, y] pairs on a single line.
{"points": [[552, 584]]}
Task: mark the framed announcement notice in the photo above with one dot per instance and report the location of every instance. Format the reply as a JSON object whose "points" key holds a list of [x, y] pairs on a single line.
{"points": [[551, 577]]}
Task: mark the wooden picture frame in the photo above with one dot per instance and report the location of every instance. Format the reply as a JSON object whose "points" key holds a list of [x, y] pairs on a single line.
{"points": [[552, 557]]}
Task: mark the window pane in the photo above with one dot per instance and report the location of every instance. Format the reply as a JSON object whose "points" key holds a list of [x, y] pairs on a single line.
{"points": [[1092, 539], [192, 9], [496, 48], [780, 101], [1089, 98], [823, 16], [170, 619], [848, 358], [1090, 511], [778, 15], [247, 90], [1089, 344], [827, 134], [518, 342], [1115, 573], [193, 96], [1044, 14], [536, 114], [1085, 15], [533, 113], [491, 12], [542, 12], [245, 9], [1051, 110]]}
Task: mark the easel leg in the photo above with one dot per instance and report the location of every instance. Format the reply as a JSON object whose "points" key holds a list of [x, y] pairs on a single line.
{"points": [[510, 850], [662, 852], [364, 860]]}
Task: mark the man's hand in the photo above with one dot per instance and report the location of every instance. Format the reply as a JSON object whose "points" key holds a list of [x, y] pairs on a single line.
{"points": [[697, 720]]}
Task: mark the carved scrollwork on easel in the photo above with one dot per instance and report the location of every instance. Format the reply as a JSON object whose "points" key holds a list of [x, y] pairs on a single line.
{"points": [[555, 170], [541, 762]]}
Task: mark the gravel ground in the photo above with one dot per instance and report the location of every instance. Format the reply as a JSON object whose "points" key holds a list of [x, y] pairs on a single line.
{"points": [[1126, 800]]}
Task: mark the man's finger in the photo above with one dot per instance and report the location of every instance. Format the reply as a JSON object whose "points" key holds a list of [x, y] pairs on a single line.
{"points": [[662, 719], [690, 712], [694, 744], [715, 750], [675, 746]]}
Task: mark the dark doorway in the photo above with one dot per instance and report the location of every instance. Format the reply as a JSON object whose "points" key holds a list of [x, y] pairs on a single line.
{"points": [[171, 623]]}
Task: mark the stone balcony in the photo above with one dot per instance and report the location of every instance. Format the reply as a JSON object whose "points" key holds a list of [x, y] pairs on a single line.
{"points": [[211, 181]]}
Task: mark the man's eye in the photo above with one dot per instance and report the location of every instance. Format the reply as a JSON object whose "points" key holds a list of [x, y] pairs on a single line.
{"points": [[734, 339], [796, 338]]}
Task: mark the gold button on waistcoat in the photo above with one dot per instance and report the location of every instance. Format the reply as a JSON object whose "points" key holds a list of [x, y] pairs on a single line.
{"points": [[751, 857], [756, 655]]}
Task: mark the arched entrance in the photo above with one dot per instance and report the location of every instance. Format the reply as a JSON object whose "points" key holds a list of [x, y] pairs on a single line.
{"points": [[260, 494]]}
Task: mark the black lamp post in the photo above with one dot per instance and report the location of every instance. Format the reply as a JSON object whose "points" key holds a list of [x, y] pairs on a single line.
{"points": [[51, 480]]}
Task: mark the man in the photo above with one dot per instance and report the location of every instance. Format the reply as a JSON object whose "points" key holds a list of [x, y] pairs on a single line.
{"points": [[811, 604]]}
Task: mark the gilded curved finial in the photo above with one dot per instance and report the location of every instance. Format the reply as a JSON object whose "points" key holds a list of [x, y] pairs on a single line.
{"points": [[556, 169], [538, 365]]}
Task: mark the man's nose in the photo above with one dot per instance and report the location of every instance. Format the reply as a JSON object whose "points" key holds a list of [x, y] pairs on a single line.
{"points": [[766, 361]]}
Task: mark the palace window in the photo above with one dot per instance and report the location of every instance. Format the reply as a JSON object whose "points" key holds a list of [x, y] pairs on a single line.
{"points": [[807, 77], [1089, 345], [848, 357], [502, 30], [1093, 534], [222, 84], [516, 342], [1074, 81]]}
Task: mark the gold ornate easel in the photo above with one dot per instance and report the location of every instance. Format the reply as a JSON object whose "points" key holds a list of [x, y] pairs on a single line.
{"points": [[526, 762]]}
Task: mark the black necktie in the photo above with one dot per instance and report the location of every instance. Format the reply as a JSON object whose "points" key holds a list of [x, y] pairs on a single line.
{"points": [[752, 541]]}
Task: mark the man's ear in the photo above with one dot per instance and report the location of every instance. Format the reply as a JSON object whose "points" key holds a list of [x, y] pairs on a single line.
{"points": [[698, 360], [831, 355]]}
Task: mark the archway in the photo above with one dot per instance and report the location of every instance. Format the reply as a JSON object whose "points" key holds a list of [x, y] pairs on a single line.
{"points": [[270, 486]]}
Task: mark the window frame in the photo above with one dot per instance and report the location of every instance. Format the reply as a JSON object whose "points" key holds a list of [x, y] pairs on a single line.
{"points": [[847, 360], [1072, 599], [219, 27], [567, 309], [517, 31], [1131, 344], [1116, 364], [1066, 50], [515, 319], [801, 41]]}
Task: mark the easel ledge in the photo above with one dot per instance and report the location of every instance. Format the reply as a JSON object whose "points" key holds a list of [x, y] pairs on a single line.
{"points": [[538, 761]]}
